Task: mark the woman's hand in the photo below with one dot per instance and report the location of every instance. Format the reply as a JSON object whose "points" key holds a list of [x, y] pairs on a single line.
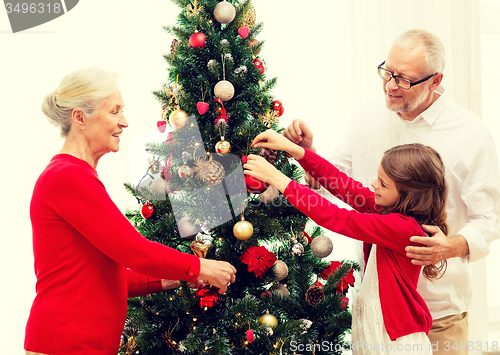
{"points": [[261, 169], [273, 140], [217, 273]]}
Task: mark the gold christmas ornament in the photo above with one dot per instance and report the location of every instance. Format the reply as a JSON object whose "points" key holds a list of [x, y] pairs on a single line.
{"points": [[154, 166], [193, 10], [223, 146], [269, 195], [224, 12], [269, 319], [281, 289], [211, 172], [224, 90], [178, 118], [321, 246], [243, 230], [200, 248], [249, 18], [185, 171], [280, 270]]}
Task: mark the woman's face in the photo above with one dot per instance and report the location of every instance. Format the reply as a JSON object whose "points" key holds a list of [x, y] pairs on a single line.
{"points": [[105, 124], [386, 192]]}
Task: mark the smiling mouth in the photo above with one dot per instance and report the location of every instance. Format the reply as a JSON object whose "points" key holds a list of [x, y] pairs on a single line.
{"points": [[117, 135]]}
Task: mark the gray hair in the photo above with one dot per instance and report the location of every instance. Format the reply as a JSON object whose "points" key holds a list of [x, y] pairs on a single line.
{"points": [[83, 89], [433, 46]]}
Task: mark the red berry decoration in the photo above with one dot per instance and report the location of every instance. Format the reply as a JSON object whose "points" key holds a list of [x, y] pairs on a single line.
{"points": [[148, 210], [202, 107], [197, 40], [277, 106], [162, 126], [259, 65], [250, 336]]}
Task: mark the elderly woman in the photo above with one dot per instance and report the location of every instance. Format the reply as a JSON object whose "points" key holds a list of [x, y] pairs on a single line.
{"points": [[88, 256]]}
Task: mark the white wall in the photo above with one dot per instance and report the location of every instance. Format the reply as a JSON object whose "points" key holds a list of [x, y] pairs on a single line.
{"points": [[308, 45]]}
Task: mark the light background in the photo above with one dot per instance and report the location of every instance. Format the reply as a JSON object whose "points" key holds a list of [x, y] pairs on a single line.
{"points": [[314, 49]]}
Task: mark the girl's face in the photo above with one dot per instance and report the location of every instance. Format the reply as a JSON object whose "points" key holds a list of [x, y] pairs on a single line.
{"points": [[386, 193]]}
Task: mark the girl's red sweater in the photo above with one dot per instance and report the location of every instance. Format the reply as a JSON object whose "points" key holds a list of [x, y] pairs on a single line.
{"points": [[403, 309]]}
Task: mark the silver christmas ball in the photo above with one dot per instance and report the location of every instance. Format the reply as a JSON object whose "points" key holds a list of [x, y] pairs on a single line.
{"points": [[321, 246], [281, 289], [280, 270], [297, 249], [159, 188], [224, 12], [224, 90]]}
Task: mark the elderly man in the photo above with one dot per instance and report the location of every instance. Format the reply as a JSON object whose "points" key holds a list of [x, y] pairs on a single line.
{"points": [[416, 110]]}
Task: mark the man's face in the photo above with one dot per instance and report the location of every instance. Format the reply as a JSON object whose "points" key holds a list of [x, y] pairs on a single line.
{"points": [[408, 64]]}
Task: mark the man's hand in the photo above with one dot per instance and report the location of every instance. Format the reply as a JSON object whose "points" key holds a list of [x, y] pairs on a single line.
{"points": [[437, 248], [299, 133]]}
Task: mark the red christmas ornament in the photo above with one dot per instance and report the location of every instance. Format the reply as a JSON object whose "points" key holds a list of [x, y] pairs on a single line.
{"points": [[277, 106], [202, 107], [255, 186], [197, 40], [209, 296], [148, 210], [259, 65], [162, 126], [258, 259], [250, 336], [344, 302], [243, 32]]}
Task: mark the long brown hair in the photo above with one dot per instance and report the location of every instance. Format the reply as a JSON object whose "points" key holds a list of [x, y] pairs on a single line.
{"points": [[419, 175]]}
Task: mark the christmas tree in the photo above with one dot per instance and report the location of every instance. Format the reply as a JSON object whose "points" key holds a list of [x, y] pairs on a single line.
{"points": [[287, 297]]}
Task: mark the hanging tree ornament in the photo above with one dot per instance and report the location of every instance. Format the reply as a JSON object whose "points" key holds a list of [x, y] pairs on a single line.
{"points": [[281, 290], [178, 118], [185, 170], [321, 246], [269, 319], [259, 65], [280, 270], [201, 247], [222, 146], [243, 32], [148, 211], [249, 19], [277, 106], [224, 12], [202, 106], [197, 40], [243, 230], [224, 89], [209, 171], [194, 10], [162, 124], [271, 194], [269, 118], [254, 185]]}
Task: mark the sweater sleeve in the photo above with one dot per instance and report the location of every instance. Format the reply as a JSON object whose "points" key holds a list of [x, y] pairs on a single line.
{"points": [[392, 230], [338, 183], [79, 197], [141, 285]]}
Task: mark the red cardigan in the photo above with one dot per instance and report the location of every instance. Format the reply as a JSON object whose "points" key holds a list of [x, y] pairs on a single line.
{"points": [[403, 309], [84, 250]]}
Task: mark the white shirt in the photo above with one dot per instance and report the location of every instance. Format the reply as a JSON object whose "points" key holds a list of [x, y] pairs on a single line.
{"points": [[469, 155]]}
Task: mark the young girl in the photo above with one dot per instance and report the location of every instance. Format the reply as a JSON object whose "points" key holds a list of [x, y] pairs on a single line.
{"points": [[388, 314]]}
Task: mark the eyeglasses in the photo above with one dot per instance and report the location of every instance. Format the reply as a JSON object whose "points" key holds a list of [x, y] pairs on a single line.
{"points": [[401, 82]]}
